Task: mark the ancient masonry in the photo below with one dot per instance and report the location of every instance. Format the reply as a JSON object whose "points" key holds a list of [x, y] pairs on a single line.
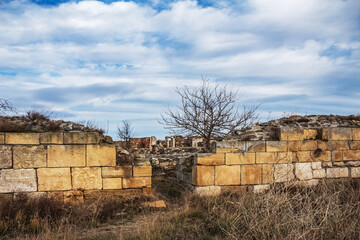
{"points": [[299, 156], [69, 166]]}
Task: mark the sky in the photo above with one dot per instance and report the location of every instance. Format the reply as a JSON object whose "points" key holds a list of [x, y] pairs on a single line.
{"points": [[108, 61]]}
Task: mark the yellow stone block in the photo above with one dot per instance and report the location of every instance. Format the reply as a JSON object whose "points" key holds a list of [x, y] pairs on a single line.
{"points": [[310, 134], [5, 157], [142, 171], [267, 173], [337, 134], [53, 179], [101, 155], [86, 178], [112, 183], [351, 155], [116, 172], [2, 138], [302, 156], [227, 150], [213, 159], [258, 146], [294, 146], [227, 175], [356, 133], [250, 174], [320, 156], [66, 156], [82, 138], [29, 156], [203, 175], [308, 145], [266, 157], [291, 134], [52, 138], [22, 138], [355, 145], [137, 182], [284, 157], [276, 146], [239, 158], [337, 155]]}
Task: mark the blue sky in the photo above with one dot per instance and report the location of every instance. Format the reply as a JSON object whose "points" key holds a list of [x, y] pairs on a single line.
{"points": [[109, 61]]}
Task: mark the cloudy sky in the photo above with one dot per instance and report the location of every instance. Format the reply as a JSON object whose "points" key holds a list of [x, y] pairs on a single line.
{"points": [[108, 61]]}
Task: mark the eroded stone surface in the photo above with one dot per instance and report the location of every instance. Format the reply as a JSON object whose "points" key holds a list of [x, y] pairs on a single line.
{"points": [[54, 179], [337, 172], [303, 171], [101, 155], [86, 178], [283, 172], [5, 156], [29, 156], [227, 175], [116, 172], [17, 180], [66, 156]]}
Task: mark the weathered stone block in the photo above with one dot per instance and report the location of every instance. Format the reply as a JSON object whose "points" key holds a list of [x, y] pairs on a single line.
{"points": [[137, 182], [333, 145], [54, 179], [316, 165], [291, 134], [351, 155], [319, 173], [52, 138], [5, 157], [208, 190], [337, 172], [294, 146], [355, 145], [266, 157], [310, 134], [353, 163], [356, 133], [203, 175], [258, 146], [73, 197], [2, 138], [303, 171], [227, 175], [320, 156], [101, 155], [355, 172], [239, 158], [267, 173], [212, 159], [340, 134], [116, 172], [112, 183], [276, 146], [302, 156], [86, 178], [283, 172], [227, 150], [337, 155], [81, 138], [29, 156], [250, 174], [308, 145], [284, 157], [339, 164], [22, 138], [142, 171], [18, 180], [66, 156]]}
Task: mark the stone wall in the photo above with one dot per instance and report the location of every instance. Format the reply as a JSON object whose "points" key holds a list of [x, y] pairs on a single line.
{"points": [[300, 156], [66, 165]]}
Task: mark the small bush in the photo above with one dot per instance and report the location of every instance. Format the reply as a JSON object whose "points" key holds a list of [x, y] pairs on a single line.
{"points": [[34, 115]]}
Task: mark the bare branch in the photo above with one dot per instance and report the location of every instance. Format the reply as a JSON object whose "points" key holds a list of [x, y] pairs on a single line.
{"points": [[6, 107], [126, 131]]}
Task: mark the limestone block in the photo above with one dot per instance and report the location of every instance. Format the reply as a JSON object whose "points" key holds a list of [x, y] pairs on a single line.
{"points": [[250, 174], [66, 156], [227, 150], [203, 175], [208, 190], [326, 164], [86, 178], [82, 138], [261, 188], [319, 173], [337, 155], [355, 145], [308, 145], [353, 163], [340, 134], [310, 133], [276, 146], [22, 138], [355, 172], [337, 172], [291, 134], [137, 182], [116, 172], [294, 146], [283, 172], [266, 157], [356, 133], [18, 180], [142, 171], [267, 173], [227, 175], [351, 155], [284, 157], [5, 157], [101, 155], [320, 156], [303, 171], [339, 164], [112, 183], [316, 165], [333, 145], [2, 138], [73, 197], [258, 146], [302, 156], [212, 159], [29, 156], [52, 138], [239, 158], [54, 179]]}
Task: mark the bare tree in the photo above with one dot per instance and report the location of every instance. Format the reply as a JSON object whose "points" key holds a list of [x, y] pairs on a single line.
{"points": [[6, 106], [125, 132], [208, 111]]}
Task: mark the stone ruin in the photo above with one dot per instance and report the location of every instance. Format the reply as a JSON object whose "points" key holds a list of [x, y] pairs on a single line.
{"points": [[299, 150]]}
